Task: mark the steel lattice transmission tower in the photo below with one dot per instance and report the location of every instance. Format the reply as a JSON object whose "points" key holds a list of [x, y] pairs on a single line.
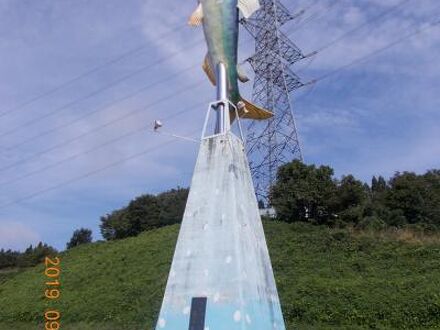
{"points": [[274, 142]]}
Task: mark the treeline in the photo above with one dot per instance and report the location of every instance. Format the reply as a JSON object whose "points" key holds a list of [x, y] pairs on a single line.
{"points": [[309, 193], [145, 213], [302, 193], [30, 257], [34, 255]]}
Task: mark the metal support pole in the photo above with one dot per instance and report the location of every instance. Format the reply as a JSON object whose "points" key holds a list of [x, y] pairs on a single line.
{"points": [[222, 123]]}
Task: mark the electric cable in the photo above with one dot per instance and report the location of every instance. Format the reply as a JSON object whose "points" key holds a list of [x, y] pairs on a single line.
{"points": [[102, 108], [103, 145], [83, 75], [100, 127], [377, 51], [96, 92], [359, 27], [31, 139], [90, 95], [88, 174], [313, 17], [33, 156]]}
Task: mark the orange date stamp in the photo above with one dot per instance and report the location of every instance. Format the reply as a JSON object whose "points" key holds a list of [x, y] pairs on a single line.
{"points": [[52, 292]]}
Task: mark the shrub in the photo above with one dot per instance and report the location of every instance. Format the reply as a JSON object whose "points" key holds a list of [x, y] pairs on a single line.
{"points": [[371, 223], [79, 237]]}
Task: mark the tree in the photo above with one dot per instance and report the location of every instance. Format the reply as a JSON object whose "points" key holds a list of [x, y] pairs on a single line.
{"points": [[432, 181], [304, 193], [415, 198], [172, 206], [145, 213], [373, 183], [35, 255], [79, 237], [350, 192], [407, 195], [378, 185], [8, 258]]}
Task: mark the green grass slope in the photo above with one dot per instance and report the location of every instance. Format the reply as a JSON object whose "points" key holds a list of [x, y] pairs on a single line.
{"points": [[327, 279]]}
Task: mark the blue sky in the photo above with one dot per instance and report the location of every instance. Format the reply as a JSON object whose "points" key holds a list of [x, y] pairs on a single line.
{"points": [[377, 117]]}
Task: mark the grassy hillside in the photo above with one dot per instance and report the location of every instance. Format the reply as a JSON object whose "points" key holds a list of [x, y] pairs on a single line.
{"points": [[327, 279]]}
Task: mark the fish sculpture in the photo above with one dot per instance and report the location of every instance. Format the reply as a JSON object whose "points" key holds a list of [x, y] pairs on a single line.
{"points": [[220, 20]]}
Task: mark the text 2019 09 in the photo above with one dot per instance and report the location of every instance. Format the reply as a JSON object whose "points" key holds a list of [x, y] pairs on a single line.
{"points": [[52, 292]]}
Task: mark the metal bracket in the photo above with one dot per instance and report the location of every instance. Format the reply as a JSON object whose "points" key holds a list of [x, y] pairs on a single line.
{"points": [[223, 122], [222, 107]]}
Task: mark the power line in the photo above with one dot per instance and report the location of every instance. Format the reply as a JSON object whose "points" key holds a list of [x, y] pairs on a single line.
{"points": [[83, 75], [91, 113], [88, 96], [357, 28], [96, 129], [100, 146], [108, 105], [377, 51], [314, 16], [99, 109], [100, 127], [96, 92], [86, 175]]}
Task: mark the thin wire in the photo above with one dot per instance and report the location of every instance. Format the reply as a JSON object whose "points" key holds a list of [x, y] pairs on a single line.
{"points": [[357, 28], [100, 146], [31, 139], [376, 52], [101, 127], [86, 175], [96, 92], [69, 82], [138, 91], [313, 17], [84, 134], [299, 14]]}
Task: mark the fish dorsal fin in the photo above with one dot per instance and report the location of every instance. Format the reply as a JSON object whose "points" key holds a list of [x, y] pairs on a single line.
{"points": [[207, 67], [242, 76], [248, 7], [197, 16]]}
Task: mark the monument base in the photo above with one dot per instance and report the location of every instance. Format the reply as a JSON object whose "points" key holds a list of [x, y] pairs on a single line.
{"points": [[221, 276]]}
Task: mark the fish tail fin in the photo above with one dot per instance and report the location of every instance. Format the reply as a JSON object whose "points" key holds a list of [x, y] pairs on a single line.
{"points": [[248, 110]]}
